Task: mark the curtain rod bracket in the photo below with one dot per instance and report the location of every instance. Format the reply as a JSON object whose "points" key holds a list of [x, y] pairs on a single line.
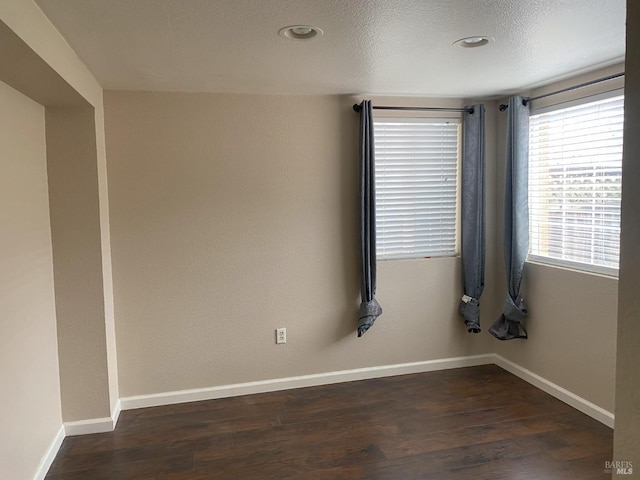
{"points": [[356, 108], [503, 106]]}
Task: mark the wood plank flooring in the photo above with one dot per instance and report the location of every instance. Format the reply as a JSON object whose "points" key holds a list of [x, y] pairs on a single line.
{"points": [[469, 423]]}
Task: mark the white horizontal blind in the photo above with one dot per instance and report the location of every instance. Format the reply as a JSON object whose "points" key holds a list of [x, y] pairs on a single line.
{"points": [[416, 178], [575, 174]]}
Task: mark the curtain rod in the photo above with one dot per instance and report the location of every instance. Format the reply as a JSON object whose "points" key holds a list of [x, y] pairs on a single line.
{"points": [[503, 106], [356, 108]]}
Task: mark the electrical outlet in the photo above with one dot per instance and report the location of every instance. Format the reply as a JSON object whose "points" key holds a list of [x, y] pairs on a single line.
{"points": [[281, 335]]}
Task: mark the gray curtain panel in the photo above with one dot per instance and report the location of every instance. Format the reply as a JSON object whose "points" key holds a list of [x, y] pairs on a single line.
{"points": [[473, 216], [516, 221], [369, 307]]}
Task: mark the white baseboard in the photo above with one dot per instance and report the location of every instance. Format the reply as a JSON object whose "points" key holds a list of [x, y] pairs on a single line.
{"points": [[570, 398], [50, 456], [94, 425], [82, 427], [248, 388], [115, 414], [198, 394], [107, 424], [91, 425]]}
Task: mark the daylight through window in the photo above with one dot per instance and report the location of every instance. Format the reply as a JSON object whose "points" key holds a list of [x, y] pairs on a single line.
{"points": [[575, 174]]}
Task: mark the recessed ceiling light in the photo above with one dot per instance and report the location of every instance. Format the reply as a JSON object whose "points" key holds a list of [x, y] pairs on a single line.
{"points": [[300, 32], [472, 42]]}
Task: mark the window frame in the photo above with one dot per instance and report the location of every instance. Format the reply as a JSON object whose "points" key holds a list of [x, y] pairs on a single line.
{"points": [[581, 267]]}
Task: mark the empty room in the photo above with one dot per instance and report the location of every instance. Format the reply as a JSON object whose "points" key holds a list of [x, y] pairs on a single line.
{"points": [[319, 239]]}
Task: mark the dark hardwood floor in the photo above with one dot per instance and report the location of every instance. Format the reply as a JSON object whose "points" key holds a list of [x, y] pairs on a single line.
{"points": [[470, 423]]}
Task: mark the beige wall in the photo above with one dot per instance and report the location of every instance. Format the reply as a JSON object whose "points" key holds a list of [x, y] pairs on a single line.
{"points": [[572, 315], [30, 412], [233, 215], [627, 428], [38, 62], [75, 225]]}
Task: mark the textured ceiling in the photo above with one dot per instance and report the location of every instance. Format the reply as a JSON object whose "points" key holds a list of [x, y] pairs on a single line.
{"points": [[398, 47]]}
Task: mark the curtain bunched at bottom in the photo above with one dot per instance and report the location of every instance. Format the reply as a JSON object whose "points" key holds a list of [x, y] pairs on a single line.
{"points": [[470, 310], [516, 221], [369, 308], [369, 311], [509, 325]]}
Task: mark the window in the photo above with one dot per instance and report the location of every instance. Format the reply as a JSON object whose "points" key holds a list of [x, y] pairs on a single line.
{"points": [[416, 187], [575, 174]]}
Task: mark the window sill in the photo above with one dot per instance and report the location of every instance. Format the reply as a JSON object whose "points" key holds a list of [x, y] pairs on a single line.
{"points": [[419, 259], [611, 274]]}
